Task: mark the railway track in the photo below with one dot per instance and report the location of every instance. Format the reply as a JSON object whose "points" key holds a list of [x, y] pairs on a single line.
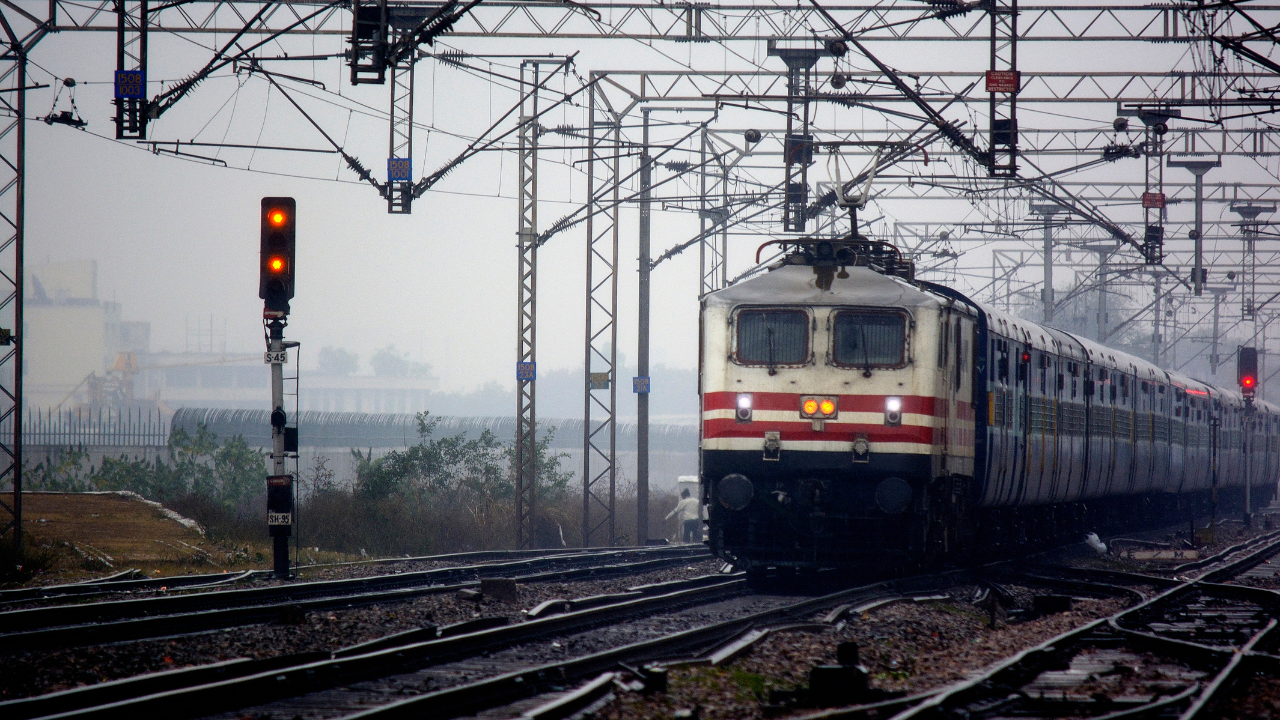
{"points": [[1175, 653], [234, 685], [524, 671], [114, 621]]}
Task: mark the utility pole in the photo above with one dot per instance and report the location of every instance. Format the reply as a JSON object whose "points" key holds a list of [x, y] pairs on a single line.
{"points": [[1198, 168], [1156, 318], [1214, 358], [641, 385], [1104, 252], [1046, 211], [798, 142], [1249, 210]]}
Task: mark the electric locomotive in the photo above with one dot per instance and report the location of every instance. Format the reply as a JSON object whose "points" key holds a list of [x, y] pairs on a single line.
{"points": [[853, 417]]}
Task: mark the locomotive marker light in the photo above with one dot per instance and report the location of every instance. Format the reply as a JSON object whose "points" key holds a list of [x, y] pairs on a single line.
{"points": [[893, 411], [819, 409], [275, 288], [742, 412]]}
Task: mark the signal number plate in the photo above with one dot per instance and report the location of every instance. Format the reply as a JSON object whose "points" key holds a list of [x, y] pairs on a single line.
{"points": [[275, 358], [279, 518]]}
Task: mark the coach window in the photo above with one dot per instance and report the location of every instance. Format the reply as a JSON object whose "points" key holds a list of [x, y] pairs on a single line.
{"points": [[773, 337], [867, 339]]}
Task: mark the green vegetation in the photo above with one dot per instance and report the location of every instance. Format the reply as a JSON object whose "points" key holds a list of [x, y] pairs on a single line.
{"points": [[442, 494]]}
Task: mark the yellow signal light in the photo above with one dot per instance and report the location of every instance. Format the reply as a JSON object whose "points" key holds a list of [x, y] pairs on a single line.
{"points": [[828, 407], [277, 217], [275, 264], [810, 407]]}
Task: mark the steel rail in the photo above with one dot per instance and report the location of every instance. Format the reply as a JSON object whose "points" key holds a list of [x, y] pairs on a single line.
{"points": [[138, 628], [129, 580], [128, 584], [28, 619]]}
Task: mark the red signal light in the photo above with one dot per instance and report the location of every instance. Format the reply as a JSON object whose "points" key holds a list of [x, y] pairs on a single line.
{"points": [[1026, 357], [276, 264], [277, 217], [1248, 381]]}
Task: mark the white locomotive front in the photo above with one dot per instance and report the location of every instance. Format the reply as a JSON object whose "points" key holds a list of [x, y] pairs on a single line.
{"points": [[821, 425], [853, 417]]}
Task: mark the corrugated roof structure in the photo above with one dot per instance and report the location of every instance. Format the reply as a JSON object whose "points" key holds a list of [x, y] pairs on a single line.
{"points": [[386, 430]]}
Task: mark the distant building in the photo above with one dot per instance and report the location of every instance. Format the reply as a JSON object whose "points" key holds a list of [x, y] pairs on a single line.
{"points": [[80, 353], [77, 348]]}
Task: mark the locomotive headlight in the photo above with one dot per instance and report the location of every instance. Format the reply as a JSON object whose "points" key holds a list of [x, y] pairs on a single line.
{"points": [[893, 411], [742, 412], [819, 407]]}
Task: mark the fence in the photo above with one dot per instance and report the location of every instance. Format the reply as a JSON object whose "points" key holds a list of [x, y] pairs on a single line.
{"points": [[135, 427]]}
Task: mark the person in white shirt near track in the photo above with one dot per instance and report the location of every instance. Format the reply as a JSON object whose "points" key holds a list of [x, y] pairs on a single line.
{"points": [[688, 512]]}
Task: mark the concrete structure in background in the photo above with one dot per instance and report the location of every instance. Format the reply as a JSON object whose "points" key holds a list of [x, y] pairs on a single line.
{"points": [[79, 349]]}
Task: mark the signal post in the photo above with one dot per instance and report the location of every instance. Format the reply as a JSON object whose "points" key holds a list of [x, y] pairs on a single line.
{"points": [[1247, 377], [275, 287]]}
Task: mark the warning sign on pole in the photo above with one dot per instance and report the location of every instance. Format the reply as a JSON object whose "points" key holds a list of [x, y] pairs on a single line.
{"points": [[1003, 81]]}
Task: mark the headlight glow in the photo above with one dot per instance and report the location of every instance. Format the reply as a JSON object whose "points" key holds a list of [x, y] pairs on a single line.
{"points": [[893, 411], [810, 407], [827, 407], [744, 402]]}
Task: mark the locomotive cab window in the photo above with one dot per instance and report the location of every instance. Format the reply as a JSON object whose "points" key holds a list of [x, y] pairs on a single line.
{"points": [[772, 337], [866, 339]]}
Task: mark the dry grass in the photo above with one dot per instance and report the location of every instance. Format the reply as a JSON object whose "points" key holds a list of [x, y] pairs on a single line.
{"points": [[91, 535]]}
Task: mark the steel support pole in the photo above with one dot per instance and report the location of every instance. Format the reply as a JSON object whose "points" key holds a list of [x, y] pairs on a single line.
{"points": [[1047, 211], [1214, 358], [1102, 293], [1198, 167], [527, 299], [1157, 315], [1197, 269], [642, 343]]}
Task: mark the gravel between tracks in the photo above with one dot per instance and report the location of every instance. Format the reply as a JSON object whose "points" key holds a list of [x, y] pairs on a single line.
{"points": [[906, 647], [31, 673]]}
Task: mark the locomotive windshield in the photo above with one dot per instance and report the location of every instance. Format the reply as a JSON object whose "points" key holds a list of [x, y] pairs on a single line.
{"points": [[773, 337], [869, 339]]}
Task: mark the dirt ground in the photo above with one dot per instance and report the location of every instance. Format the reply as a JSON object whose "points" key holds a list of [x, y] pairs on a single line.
{"points": [[91, 535]]}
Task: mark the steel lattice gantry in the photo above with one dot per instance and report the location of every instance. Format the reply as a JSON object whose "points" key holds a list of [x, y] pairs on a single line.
{"points": [[527, 303], [498, 19], [599, 414], [21, 33]]}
